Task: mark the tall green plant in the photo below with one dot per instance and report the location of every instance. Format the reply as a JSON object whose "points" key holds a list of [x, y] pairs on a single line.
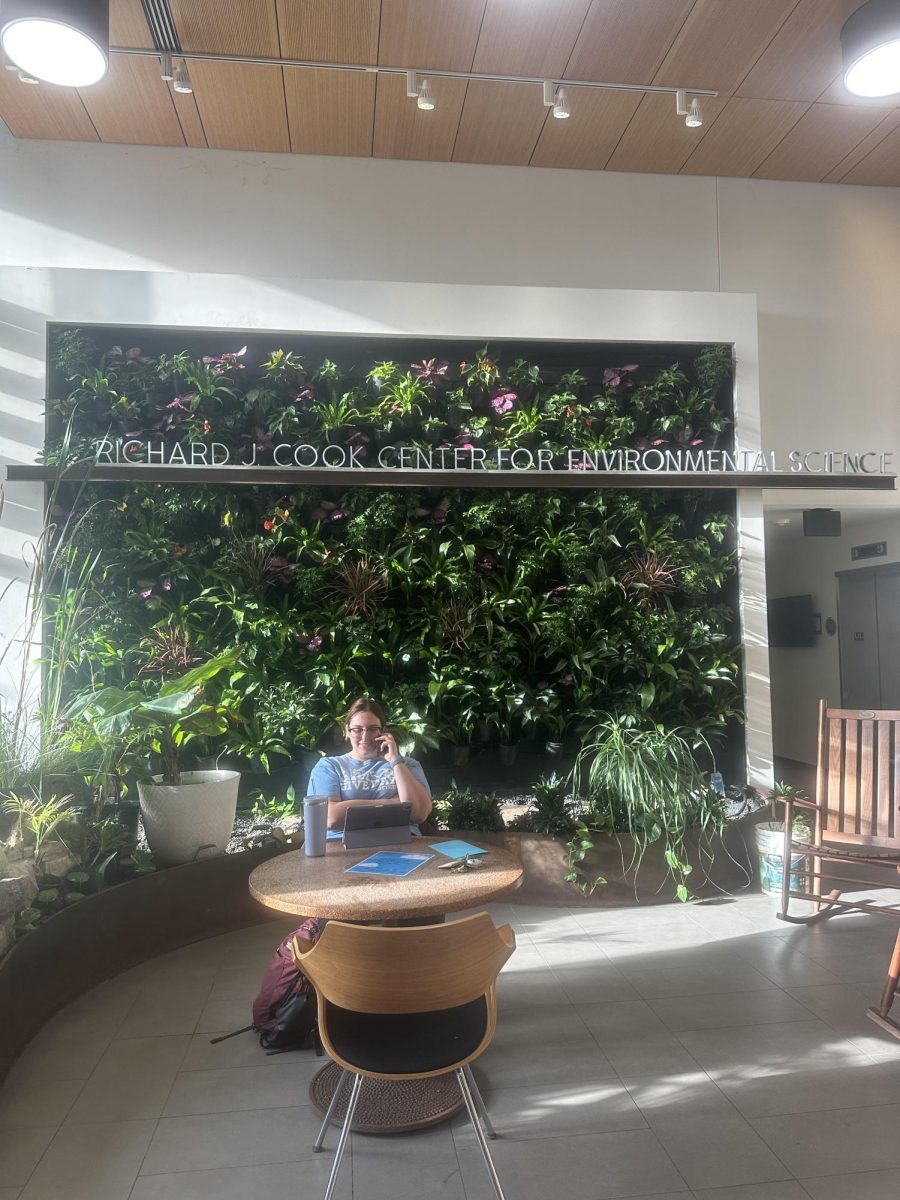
{"points": [[43, 652], [643, 780], [125, 726]]}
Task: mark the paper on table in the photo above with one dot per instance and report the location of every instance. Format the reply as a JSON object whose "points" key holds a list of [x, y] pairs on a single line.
{"points": [[457, 848], [389, 862]]}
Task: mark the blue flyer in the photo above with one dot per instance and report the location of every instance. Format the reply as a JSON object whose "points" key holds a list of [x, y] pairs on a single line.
{"points": [[389, 862], [457, 848]]}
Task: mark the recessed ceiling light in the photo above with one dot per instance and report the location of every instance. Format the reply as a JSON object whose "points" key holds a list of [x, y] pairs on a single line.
{"points": [[62, 43], [870, 42]]}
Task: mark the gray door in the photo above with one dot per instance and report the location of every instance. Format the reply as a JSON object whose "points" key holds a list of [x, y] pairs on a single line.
{"points": [[887, 605], [858, 626]]}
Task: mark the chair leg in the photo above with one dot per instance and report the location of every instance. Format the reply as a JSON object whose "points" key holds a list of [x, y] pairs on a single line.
{"points": [[893, 979], [342, 1140], [880, 1015], [479, 1132], [479, 1102], [317, 1144]]}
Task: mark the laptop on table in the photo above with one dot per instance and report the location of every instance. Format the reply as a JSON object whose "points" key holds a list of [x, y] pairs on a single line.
{"points": [[377, 825]]}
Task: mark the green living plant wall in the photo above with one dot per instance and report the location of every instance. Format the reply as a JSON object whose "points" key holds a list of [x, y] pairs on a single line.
{"points": [[531, 611]]}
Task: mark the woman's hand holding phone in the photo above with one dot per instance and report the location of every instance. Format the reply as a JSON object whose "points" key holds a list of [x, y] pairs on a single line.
{"points": [[387, 747]]}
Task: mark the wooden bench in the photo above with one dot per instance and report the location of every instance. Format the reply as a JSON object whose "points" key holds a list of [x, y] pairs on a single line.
{"points": [[855, 837]]}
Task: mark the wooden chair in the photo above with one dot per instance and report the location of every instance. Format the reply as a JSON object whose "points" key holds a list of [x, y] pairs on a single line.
{"points": [[855, 828], [409, 1003]]}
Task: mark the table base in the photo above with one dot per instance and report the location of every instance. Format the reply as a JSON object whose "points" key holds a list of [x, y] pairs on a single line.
{"points": [[389, 1105]]}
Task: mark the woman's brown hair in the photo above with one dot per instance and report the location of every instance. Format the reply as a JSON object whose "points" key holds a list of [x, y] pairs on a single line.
{"points": [[364, 704]]}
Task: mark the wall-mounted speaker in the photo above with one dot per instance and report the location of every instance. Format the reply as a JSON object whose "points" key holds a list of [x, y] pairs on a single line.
{"points": [[821, 522]]}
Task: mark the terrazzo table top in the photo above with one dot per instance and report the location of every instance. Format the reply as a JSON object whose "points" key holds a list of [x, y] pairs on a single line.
{"points": [[293, 883]]}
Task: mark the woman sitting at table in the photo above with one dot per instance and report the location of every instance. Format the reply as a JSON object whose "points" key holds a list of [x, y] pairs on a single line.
{"points": [[374, 772]]}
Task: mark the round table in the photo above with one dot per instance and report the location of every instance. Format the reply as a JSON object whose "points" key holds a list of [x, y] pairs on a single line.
{"points": [[320, 887]]}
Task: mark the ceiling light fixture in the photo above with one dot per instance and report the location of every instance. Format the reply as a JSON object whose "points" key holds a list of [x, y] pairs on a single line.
{"points": [[165, 67], [181, 80], [694, 117], [65, 42], [870, 44], [419, 91], [561, 107], [556, 98]]}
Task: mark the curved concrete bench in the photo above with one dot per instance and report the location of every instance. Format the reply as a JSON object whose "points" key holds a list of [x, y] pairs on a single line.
{"points": [[115, 930]]}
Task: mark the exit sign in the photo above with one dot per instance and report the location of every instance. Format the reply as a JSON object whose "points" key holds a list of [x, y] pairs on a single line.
{"points": [[871, 550]]}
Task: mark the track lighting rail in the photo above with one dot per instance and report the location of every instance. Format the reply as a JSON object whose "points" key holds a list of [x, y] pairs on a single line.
{"points": [[373, 69]]}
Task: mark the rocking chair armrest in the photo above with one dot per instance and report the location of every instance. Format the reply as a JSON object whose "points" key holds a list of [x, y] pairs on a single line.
{"points": [[799, 802]]}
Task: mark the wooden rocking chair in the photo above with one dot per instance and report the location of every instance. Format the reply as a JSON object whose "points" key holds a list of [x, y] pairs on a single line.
{"points": [[856, 828]]}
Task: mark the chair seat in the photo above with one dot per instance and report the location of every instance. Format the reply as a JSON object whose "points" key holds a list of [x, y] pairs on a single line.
{"points": [[854, 850], [407, 1043]]}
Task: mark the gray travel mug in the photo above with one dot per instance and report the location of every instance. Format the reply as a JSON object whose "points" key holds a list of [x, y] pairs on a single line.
{"points": [[315, 825]]}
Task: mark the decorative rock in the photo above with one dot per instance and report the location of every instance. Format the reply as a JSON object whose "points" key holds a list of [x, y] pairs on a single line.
{"points": [[17, 888], [3, 861], [7, 933], [55, 859]]}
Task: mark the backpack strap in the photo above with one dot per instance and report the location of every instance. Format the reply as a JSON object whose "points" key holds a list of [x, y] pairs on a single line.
{"points": [[225, 1036]]}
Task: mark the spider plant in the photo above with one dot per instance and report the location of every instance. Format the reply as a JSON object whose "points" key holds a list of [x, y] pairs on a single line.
{"points": [[644, 781]]}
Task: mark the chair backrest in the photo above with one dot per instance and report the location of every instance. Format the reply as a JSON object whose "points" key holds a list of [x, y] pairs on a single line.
{"points": [[858, 776], [421, 968]]}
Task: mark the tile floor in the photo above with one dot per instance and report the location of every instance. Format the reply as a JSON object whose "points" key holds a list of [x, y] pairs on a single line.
{"points": [[706, 1053]]}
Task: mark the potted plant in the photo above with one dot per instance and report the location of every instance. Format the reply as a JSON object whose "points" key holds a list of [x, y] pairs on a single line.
{"points": [[552, 720], [513, 713], [451, 698], [769, 837], [186, 814], [458, 723], [641, 784]]}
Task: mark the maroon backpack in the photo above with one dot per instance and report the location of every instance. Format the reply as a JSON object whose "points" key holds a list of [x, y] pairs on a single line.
{"points": [[285, 1012]]}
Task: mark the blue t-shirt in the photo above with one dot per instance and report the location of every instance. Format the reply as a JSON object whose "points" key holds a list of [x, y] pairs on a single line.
{"points": [[347, 777]]}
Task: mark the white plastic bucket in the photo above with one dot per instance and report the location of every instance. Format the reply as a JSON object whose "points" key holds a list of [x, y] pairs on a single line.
{"points": [[770, 847]]}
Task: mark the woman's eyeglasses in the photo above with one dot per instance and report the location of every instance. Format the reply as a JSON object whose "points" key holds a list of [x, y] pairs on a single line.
{"points": [[362, 730]]}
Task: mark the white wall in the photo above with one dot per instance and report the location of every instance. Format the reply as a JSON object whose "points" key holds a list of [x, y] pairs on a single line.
{"points": [[823, 260], [798, 565]]}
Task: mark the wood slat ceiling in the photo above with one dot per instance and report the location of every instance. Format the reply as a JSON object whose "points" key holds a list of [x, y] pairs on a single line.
{"points": [[782, 112]]}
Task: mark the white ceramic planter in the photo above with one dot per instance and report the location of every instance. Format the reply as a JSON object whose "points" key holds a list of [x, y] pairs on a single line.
{"points": [[179, 819]]}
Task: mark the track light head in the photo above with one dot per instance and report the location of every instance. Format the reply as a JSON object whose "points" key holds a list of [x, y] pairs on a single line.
{"points": [[870, 44], [424, 98], [65, 42], [181, 80], [165, 67], [694, 117], [561, 105]]}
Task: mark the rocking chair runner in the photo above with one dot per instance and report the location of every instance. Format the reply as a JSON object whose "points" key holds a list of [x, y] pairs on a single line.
{"points": [[856, 824]]}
